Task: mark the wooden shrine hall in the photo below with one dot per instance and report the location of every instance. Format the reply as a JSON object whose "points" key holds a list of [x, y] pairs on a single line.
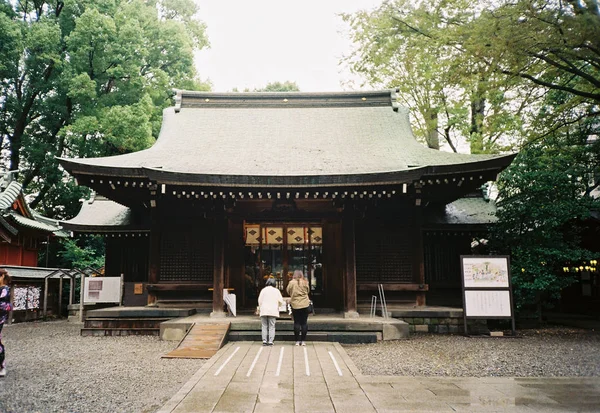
{"points": [[241, 187]]}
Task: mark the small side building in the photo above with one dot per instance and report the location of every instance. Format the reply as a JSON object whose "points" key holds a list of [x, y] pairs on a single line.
{"points": [[22, 232]]}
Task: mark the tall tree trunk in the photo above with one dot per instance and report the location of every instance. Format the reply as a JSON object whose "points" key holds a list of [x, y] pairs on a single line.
{"points": [[476, 131], [432, 136]]}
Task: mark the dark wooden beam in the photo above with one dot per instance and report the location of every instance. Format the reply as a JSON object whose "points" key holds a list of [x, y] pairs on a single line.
{"points": [[154, 256], [350, 254], [418, 254], [179, 287], [393, 287], [219, 231]]}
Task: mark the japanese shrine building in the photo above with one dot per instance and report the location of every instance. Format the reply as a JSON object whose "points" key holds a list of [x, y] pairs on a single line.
{"points": [[244, 186]]}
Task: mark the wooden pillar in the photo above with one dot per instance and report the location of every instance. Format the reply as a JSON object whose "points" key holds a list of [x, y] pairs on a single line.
{"points": [[45, 296], [418, 254], [350, 254], [81, 297], [71, 289], [60, 288], [154, 256], [219, 229]]}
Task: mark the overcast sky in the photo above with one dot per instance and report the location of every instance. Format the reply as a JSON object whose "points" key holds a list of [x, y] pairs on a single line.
{"points": [[260, 41]]}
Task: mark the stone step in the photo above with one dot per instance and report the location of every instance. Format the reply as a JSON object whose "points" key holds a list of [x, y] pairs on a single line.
{"points": [[108, 323], [86, 332], [140, 312], [344, 337]]}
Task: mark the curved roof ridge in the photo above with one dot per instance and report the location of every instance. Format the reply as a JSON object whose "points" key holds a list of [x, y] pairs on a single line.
{"points": [[321, 135], [10, 194], [196, 99]]}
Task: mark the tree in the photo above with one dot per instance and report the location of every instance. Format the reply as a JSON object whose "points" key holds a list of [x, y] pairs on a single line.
{"points": [[552, 46], [85, 78], [286, 86], [75, 253], [545, 199], [416, 47]]}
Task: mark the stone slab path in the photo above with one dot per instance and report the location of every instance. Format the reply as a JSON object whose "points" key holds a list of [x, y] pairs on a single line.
{"points": [[248, 377]]}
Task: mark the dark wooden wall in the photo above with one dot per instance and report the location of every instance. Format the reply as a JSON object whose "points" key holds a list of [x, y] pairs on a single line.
{"points": [[442, 251], [333, 266], [127, 256]]}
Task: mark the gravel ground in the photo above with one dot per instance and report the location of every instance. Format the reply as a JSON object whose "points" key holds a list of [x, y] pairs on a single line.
{"points": [[548, 352], [51, 368]]}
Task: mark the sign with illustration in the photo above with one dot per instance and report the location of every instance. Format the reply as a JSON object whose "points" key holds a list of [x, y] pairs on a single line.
{"points": [[486, 288], [487, 272]]}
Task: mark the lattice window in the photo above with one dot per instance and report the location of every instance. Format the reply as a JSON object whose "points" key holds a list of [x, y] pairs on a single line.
{"points": [[383, 253], [187, 255]]}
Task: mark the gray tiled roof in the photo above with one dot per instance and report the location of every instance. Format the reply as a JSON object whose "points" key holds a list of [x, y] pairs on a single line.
{"points": [[469, 211], [102, 212], [244, 136], [39, 273], [10, 195], [30, 220], [32, 223]]}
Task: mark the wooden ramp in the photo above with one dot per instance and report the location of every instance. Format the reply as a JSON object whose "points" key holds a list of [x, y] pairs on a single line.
{"points": [[202, 341]]}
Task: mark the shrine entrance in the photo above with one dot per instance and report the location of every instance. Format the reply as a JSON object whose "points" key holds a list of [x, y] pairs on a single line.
{"points": [[276, 250]]}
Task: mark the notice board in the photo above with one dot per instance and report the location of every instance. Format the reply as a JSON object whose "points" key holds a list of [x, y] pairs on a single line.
{"points": [[102, 290], [487, 290]]}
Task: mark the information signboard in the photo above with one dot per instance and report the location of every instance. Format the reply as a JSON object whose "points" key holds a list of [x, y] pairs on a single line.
{"points": [[102, 290], [487, 292]]}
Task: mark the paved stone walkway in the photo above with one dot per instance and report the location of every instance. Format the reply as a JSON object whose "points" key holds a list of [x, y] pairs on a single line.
{"points": [[247, 377]]}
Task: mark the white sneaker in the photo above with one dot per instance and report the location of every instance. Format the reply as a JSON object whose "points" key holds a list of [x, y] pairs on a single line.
{"points": [[3, 373], [297, 343], [303, 344]]}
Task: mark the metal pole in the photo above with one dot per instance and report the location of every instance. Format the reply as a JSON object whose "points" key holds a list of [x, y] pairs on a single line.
{"points": [[382, 300], [373, 305]]}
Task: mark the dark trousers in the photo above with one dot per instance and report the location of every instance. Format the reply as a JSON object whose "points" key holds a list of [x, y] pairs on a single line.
{"points": [[2, 353], [300, 323]]}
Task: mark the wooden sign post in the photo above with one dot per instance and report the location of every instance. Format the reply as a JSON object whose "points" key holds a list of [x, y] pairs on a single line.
{"points": [[487, 289]]}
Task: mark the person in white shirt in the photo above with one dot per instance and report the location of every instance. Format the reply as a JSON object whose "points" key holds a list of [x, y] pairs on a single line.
{"points": [[269, 301]]}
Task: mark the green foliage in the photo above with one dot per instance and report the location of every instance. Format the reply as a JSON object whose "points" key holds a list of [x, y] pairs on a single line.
{"points": [[80, 253], [286, 86], [81, 78], [416, 47], [546, 197]]}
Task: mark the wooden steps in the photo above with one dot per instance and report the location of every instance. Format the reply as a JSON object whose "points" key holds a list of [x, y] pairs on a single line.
{"points": [[202, 341]]}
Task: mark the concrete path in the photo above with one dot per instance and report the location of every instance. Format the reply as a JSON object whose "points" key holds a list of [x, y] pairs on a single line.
{"points": [[247, 377]]}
